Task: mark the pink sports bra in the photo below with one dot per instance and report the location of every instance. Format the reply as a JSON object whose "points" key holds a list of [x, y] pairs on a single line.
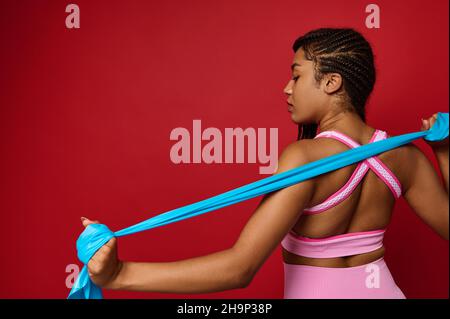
{"points": [[350, 243]]}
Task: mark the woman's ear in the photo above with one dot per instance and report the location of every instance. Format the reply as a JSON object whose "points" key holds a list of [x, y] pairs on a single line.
{"points": [[332, 82]]}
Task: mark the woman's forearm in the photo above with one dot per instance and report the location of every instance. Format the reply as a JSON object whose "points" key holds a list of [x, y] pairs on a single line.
{"points": [[442, 159], [210, 273]]}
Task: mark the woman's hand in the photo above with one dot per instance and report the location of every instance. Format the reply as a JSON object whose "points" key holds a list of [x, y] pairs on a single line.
{"points": [[436, 145], [104, 266]]}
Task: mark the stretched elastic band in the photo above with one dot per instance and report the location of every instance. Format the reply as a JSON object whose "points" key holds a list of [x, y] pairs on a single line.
{"points": [[96, 235]]}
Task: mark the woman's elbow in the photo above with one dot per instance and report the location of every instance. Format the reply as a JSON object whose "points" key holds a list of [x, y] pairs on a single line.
{"points": [[445, 234], [244, 278], [248, 275], [239, 276], [242, 270]]}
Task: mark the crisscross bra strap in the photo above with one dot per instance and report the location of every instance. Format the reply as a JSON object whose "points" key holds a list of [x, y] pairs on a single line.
{"points": [[374, 163]]}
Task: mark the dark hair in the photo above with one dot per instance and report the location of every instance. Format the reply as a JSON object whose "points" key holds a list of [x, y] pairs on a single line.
{"points": [[344, 51]]}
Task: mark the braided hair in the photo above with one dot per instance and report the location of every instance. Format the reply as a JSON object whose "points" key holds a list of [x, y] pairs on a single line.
{"points": [[343, 51]]}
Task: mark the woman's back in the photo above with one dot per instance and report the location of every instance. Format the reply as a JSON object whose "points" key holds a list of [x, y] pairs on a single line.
{"points": [[368, 206], [332, 238]]}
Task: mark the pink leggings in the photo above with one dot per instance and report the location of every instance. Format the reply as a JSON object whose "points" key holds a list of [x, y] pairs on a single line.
{"points": [[369, 281]]}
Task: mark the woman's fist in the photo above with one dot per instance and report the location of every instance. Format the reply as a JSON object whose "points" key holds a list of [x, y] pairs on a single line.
{"points": [[426, 125], [104, 266]]}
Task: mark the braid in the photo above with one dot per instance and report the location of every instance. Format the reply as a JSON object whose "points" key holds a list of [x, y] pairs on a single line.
{"points": [[343, 51]]}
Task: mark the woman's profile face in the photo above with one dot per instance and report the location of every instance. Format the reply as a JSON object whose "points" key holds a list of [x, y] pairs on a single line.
{"points": [[306, 97]]}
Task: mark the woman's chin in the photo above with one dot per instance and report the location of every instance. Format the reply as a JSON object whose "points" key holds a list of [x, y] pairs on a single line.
{"points": [[294, 118]]}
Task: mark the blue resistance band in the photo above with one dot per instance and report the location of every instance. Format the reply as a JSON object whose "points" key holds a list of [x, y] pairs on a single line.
{"points": [[96, 235]]}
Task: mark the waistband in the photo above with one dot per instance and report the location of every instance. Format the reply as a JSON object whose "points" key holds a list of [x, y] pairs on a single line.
{"points": [[335, 246]]}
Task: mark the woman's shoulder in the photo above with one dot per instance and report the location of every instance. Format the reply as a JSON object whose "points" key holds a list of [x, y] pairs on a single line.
{"points": [[404, 159], [308, 150], [295, 154]]}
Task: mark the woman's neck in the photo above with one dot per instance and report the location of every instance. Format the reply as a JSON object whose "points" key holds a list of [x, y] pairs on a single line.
{"points": [[344, 121]]}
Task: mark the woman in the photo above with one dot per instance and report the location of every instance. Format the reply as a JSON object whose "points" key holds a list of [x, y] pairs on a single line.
{"points": [[330, 227]]}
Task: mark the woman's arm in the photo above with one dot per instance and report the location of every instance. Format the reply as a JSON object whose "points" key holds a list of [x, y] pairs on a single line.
{"points": [[442, 159], [205, 274], [440, 149], [224, 270], [423, 189]]}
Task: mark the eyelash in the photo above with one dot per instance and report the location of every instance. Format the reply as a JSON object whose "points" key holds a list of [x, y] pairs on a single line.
{"points": [[295, 78]]}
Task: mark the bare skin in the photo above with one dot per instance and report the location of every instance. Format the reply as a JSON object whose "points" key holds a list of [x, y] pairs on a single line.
{"points": [[370, 205], [368, 208]]}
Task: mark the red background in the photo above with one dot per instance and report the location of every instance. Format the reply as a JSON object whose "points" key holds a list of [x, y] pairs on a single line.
{"points": [[86, 116]]}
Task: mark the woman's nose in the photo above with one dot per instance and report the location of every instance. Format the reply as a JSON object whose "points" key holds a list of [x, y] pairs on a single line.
{"points": [[288, 89]]}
